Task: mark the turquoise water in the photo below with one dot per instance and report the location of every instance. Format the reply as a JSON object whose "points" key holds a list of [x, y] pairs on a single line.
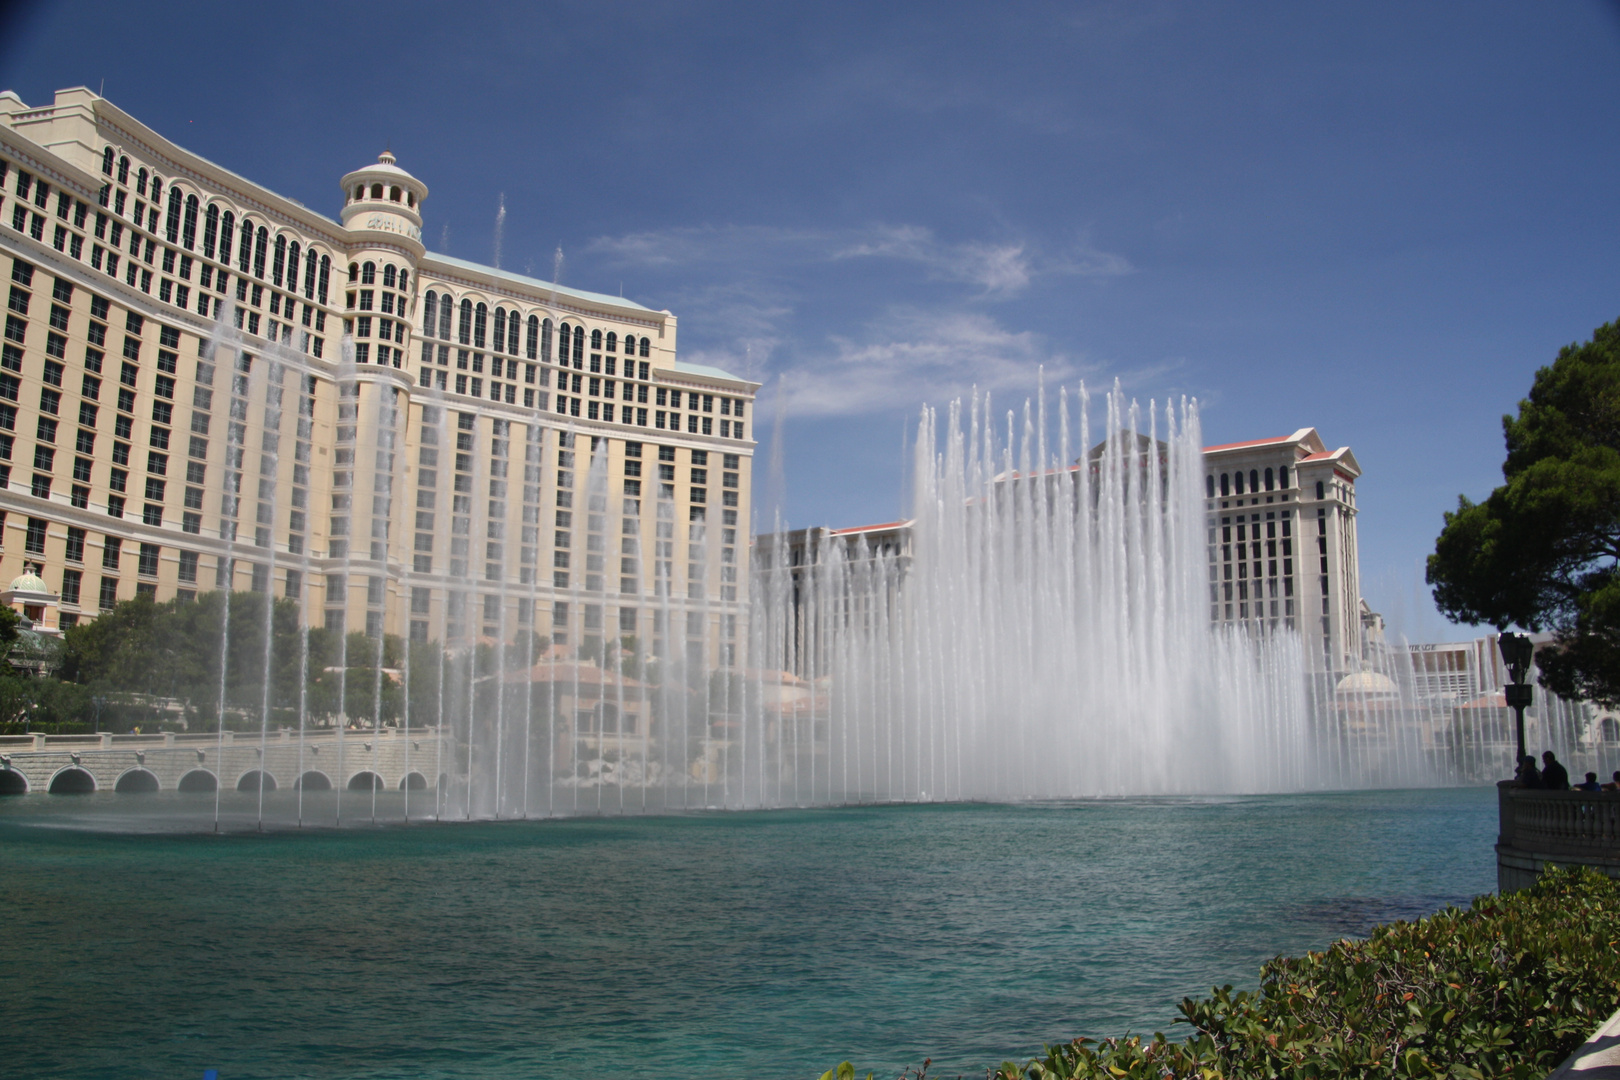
{"points": [[758, 945]]}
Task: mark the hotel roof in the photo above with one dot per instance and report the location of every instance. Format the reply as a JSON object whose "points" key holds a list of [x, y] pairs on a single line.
{"points": [[535, 283]]}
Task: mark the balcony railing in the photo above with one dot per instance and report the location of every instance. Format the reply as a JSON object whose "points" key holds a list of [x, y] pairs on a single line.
{"points": [[1578, 825]]}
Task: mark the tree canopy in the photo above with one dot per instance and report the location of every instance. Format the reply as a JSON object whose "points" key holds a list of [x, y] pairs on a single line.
{"points": [[1541, 551]]}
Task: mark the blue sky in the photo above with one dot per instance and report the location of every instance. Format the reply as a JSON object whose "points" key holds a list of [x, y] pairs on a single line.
{"points": [[1376, 219]]}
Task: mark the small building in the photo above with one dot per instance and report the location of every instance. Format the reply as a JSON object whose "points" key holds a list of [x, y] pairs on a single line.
{"points": [[29, 596]]}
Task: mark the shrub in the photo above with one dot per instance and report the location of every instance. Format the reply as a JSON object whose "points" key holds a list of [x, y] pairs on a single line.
{"points": [[1507, 988]]}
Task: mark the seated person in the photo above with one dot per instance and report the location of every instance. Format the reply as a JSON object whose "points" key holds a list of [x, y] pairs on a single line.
{"points": [[1590, 783], [1613, 785]]}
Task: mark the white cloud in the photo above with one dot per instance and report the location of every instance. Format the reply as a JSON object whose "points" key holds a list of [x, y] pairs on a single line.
{"points": [[998, 270], [761, 301], [915, 355]]}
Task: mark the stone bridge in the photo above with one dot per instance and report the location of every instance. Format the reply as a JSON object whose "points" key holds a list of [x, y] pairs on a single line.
{"points": [[324, 759]]}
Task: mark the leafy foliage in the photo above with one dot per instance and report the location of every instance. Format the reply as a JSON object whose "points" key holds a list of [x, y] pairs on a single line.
{"points": [[1505, 989], [1544, 549]]}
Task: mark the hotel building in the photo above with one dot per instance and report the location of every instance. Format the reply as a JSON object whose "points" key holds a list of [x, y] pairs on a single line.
{"points": [[1282, 543], [1281, 548], [404, 442]]}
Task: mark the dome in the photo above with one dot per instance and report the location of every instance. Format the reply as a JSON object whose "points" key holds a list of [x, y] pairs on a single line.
{"points": [[28, 581], [1367, 684], [386, 171]]}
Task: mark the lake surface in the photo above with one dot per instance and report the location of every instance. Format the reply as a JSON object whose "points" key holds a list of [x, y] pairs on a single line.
{"points": [[761, 945]]}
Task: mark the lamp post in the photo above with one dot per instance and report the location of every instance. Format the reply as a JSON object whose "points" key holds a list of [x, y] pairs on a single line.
{"points": [[1517, 653]]}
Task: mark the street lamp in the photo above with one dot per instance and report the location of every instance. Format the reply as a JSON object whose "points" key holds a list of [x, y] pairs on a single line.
{"points": [[1517, 653]]}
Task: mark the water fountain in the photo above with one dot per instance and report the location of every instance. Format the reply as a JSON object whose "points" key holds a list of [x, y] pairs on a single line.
{"points": [[1042, 633]]}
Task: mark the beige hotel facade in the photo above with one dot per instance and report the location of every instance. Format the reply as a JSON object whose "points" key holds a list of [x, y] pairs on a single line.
{"points": [[403, 442]]}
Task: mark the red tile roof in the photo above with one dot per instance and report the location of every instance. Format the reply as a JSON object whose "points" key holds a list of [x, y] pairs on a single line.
{"points": [[1250, 442]]}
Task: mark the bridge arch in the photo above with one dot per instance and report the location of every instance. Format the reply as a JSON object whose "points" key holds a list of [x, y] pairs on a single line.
{"points": [[413, 781], [198, 781], [136, 781], [366, 780], [313, 780], [13, 782], [253, 778], [73, 780]]}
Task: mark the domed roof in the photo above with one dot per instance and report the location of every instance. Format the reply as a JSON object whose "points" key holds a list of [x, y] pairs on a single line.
{"points": [[1366, 683], [28, 581], [385, 169]]}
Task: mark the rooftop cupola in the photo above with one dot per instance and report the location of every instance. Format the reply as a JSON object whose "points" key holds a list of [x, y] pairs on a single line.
{"points": [[384, 199]]}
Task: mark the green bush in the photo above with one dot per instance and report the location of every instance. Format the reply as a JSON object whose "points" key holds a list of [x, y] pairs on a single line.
{"points": [[1506, 988]]}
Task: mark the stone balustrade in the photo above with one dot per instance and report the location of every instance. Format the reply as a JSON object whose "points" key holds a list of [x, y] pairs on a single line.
{"points": [[1563, 828], [169, 761]]}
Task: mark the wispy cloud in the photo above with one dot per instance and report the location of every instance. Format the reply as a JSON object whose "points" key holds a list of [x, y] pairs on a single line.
{"points": [[756, 300], [907, 356], [997, 269]]}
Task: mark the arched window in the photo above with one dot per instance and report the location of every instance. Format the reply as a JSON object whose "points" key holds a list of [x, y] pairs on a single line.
{"points": [[210, 230], [123, 170], [188, 230], [480, 325], [376, 191], [359, 192], [278, 265], [512, 334], [354, 272], [107, 161], [612, 342], [326, 275], [532, 345], [293, 251], [393, 194], [368, 273], [444, 317], [157, 190], [261, 243], [545, 339], [596, 339], [1270, 477], [140, 183], [430, 313], [1254, 480], [500, 329], [1237, 482], [1321, 492], [244, 250], [388, 276], [562, 344], [410, 199], [171, 221], [1209, 486], [404, 280], [227, 231], [1226, 488], [645, 345], [464, 324], [579, 346], [1282, 477], [309, 275]]}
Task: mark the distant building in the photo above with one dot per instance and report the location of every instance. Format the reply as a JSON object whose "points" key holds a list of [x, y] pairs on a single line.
{"points": [[1282, 548], [1282, 543]]}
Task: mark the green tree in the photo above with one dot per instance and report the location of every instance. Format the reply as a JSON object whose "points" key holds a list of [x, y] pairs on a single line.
{"points": [[1542, 551]]}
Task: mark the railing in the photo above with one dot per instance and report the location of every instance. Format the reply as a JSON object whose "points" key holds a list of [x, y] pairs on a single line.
{"points": [[1573, 824]]}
